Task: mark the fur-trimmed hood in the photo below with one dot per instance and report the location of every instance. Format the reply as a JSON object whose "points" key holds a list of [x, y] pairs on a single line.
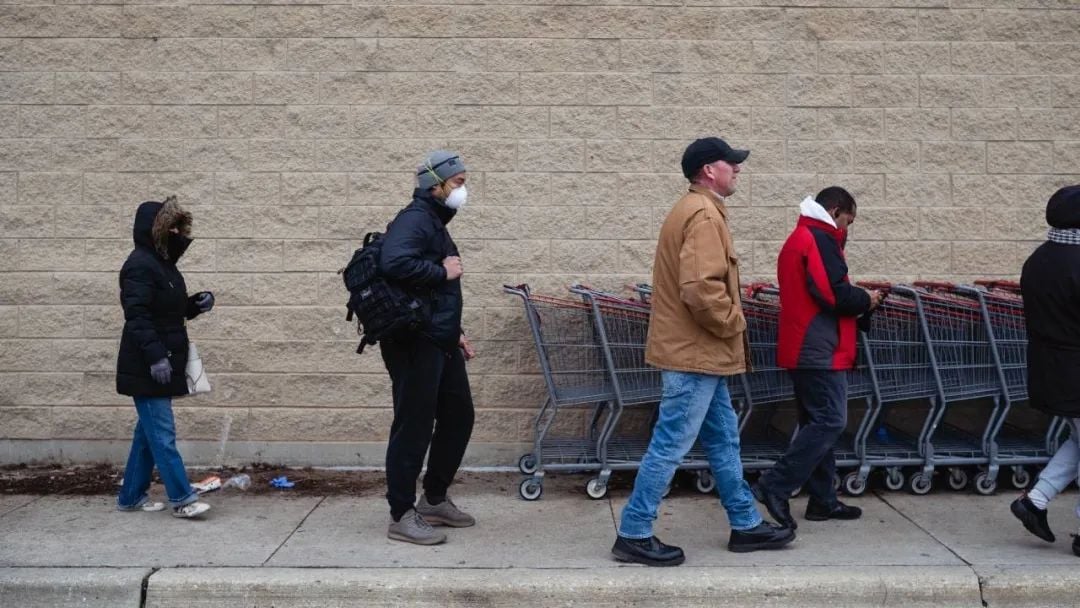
{"points": [[153, 220]]}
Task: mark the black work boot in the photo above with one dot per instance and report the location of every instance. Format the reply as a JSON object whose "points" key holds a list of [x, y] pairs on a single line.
{"points": [[777, 506], [648, 551], [816, 511], [1033, 518], [764, 537]]}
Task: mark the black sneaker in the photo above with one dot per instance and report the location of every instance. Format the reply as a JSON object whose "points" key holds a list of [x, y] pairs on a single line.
{"points": [[764, 537], [648, 551], [816, 511], [777, 506], [1033, 518]]}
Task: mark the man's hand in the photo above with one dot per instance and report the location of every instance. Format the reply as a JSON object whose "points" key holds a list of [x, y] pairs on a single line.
{"points": [[876, 297], [453, 268], [467, 348]]}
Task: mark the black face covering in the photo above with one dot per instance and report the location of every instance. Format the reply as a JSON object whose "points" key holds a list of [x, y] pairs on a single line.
{"points": [[178, 244]]}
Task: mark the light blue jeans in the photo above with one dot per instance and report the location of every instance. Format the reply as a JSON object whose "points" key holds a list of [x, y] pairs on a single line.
{"points": [[1064, 467], [693, 406], [154, 443]]}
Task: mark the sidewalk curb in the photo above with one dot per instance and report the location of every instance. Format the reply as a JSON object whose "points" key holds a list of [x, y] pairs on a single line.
{"points": [[62, 587], [1030, 586], [824, 586]]}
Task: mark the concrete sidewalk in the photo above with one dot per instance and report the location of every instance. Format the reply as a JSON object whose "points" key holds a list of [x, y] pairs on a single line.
{"points": [[939, 550]]}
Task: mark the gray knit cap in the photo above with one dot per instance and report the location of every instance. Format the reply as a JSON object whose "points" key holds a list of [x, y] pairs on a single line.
{"points": [[440, 166]]}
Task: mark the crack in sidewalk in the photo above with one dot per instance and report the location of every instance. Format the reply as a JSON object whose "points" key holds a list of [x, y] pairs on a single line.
{"points": [[13, 509], [146, 586], [298, 526], [978, 578]]}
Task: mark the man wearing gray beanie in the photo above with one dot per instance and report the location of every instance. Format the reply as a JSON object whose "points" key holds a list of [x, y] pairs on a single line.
{"points": [[427, 367]]}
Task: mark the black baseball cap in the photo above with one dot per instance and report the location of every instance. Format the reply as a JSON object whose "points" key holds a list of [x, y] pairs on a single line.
{"points": [[709, 150]]}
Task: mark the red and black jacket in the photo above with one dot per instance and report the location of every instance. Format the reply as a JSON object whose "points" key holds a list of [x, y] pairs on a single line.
{"points": [[818, 306]]}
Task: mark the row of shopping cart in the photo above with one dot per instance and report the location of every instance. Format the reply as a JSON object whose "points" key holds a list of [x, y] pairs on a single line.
{"points": [[933, 348]]}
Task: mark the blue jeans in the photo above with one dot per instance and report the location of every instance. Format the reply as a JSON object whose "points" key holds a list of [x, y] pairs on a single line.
{"points": [[691, 404], [154, 443]]}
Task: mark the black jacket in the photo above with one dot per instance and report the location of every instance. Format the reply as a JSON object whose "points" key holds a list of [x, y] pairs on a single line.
{"points": [[1051, 288], [156, 305], [415, 245]]}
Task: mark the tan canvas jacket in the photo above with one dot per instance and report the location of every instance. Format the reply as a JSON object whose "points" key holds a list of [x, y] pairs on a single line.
{"points": [[697, 323]]}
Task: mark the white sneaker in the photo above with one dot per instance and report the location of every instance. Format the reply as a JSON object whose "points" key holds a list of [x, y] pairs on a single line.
{"points": [[146, 507], [190, 511]]}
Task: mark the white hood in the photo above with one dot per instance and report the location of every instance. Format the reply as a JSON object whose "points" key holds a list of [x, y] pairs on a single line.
{"points": [[811, 209]]}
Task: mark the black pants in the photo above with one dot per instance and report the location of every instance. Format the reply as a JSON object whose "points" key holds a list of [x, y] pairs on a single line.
{"points": [[821, 396], [431, 392]]}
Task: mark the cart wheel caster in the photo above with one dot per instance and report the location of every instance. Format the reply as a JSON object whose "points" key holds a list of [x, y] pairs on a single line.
{"points": [[894, 480], [705, 482], [527, 464], [531, 488], [853, 486], [1020, 478], [984, 484], [596, 489], [920, 484], [958, 479]]}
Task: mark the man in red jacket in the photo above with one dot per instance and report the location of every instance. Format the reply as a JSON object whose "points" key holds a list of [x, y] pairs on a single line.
{"points": [[819, 309]]}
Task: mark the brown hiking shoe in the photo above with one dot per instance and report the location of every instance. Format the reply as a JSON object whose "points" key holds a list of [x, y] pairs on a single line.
{"points": [[413, 529], [445, 513]]}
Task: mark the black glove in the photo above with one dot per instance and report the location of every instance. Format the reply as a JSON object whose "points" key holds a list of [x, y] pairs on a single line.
{"points": [[162, 371], [205, 301]]}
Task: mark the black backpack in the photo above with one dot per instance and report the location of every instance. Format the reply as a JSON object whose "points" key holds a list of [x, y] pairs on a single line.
{"points": [[381, 308]]}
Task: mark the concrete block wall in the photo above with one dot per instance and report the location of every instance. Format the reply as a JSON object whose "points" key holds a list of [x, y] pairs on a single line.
{"points": [[291, 129]]}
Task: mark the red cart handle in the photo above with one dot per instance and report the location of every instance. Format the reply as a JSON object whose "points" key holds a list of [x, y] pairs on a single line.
{"points": [[996, 284], [936, 285], [882, 286]]}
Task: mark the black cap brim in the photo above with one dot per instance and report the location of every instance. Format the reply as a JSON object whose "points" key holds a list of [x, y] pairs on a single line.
{"points": [[737, 156]]}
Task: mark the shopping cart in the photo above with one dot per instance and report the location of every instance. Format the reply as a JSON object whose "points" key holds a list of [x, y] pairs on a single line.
{"points": [[572, 360], [897, 358], [850, 451], [1008, 444], [622, 327], [965, 369], [767, 385]]}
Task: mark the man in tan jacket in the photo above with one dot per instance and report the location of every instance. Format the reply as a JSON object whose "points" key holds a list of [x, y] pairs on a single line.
{"points": [[697, 338]]}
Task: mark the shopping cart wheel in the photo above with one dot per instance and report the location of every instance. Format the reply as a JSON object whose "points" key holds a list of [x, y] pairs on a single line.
{"points": [[531, 488], [853, 485], [596, 489], [958, 478], [1020, 478], [705, 482], [984, 484], [894, 479], [527, 464], [920, 484]]}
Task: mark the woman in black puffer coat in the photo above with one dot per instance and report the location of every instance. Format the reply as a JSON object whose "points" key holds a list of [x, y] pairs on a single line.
{"points": [[1050, 284], [153, 354]]}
